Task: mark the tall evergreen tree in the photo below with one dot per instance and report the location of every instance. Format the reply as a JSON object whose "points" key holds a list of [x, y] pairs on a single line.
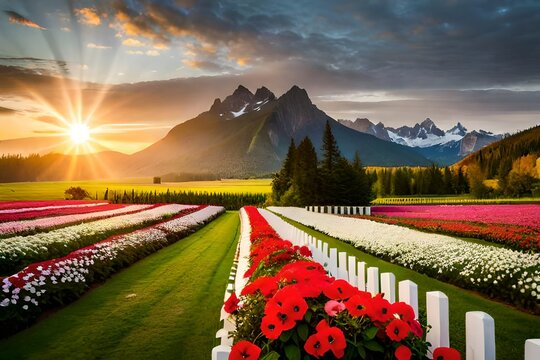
{"points": [[305, 179], [283, 179], [362, 185], [331, 157]]}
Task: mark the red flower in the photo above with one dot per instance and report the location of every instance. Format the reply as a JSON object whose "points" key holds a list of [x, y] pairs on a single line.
{"points": [[333, 337], [315, 347], [403, 310], [244, 350], [397, 330], [271, 327], [403, 353], [357, 304], [231, 305], [446, 353], [267, 285], [379, 309], [416, 328], [296, 307], [340, 290]]}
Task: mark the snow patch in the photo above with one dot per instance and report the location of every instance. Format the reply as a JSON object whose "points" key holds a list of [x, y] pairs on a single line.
{"points": [[239, 113]]}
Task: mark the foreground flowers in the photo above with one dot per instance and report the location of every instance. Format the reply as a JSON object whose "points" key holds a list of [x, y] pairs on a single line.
{"points": [[28, 293], [509, 275], [291, 307]]}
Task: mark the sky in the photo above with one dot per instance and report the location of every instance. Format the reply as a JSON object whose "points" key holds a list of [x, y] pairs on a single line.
{"points": [[132, 69]]}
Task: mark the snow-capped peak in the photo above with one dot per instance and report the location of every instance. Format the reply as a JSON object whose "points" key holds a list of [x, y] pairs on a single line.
{"points": [[458, 129]]}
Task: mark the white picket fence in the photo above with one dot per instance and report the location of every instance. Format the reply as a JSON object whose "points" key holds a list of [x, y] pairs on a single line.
{"points": [[340, 210], [479, 326]]}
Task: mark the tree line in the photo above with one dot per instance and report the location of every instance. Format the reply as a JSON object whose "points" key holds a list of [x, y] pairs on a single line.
{"points": [[303, 180]]}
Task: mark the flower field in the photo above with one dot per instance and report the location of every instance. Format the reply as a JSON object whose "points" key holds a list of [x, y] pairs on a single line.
{"points": [[524, 214], [509, 275], [60, 279], [290, 306], [32, 213]]}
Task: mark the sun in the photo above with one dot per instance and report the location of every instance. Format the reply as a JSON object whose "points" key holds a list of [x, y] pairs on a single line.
{"points": [[79, 133]]}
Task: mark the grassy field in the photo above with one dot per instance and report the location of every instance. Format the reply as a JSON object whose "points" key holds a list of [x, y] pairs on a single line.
{"points": [[512, 327], [55, 189], [166, 306]]}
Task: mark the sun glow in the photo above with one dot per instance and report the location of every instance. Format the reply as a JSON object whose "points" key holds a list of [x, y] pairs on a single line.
{"points": [[79, 133]]}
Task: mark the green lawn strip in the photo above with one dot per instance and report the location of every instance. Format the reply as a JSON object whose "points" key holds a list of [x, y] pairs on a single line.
{"points": [[174, 313], [512, 327]]}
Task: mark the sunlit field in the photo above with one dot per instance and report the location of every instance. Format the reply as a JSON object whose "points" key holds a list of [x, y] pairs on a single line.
{"points": [[55, 189]]}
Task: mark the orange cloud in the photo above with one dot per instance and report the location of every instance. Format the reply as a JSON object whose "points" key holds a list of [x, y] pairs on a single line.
{"points": [[16, 18], [88, 16], [133, 42]]}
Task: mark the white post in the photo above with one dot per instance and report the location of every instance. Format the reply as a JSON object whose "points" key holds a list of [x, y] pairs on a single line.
{"points": [[368, 210], [372, 285], [332, 262], [221, 352], [342, 268], [480, 336], [361, 276], [408, 293], [354, 210], [437, 317], [532, 349], [388, 286], [325, 252], [342, 210], [352, 270]]}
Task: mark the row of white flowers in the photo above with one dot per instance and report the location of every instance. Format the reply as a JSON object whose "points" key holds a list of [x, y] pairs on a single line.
{"points": [[42, 246], [508, 274], [40, 284], [50, 207], [13, 227]]}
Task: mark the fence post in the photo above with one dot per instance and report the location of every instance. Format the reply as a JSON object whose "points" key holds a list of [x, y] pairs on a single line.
{"points": [[352, 270], [361, 271], [532, 349], [372, 285], [221, 352], [408, 293], [437, 317], [342, 268], [332, 262], [368, 210], [388, 286], [480, 336], [325, 252]]}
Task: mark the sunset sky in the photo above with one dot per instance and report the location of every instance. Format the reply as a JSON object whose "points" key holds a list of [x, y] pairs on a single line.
{"points": [[132, 69]]}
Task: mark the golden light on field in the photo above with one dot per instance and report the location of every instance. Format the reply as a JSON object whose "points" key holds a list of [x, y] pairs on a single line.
{"points": [[79, 133]]}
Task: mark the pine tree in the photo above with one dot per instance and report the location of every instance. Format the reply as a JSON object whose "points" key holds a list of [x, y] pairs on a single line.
{"points": [[362, 187], [331, 157], [283, 179], [305, 179]]}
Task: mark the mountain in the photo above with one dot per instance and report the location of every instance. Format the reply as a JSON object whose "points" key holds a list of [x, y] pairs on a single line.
{"points": [[442, 147], [41, 145], [248, 134]]}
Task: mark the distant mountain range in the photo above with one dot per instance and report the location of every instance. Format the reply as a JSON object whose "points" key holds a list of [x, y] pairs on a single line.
{"points": [[442, 147], [248, 134]]}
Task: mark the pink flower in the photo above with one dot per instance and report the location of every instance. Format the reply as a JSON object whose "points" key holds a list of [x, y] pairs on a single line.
{"points": [[333, 307]]}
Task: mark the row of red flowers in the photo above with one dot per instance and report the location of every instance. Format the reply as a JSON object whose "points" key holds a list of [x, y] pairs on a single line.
{"points": [[39, 213], [514, 236], [290, 307]]}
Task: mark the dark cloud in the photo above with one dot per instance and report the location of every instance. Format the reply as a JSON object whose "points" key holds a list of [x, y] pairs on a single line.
{"points": [[6, 111], [36, 65], [17, 18]]}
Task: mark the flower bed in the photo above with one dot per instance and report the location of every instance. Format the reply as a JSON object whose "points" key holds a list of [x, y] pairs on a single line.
{"points": [[56, 211], [524, 215], [28, 226], [18, 251], [291, 308], [22, 204], [506, 274], [28, 293]]}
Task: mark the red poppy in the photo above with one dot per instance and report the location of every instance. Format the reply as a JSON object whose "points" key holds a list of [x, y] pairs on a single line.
{"points": [[231, 305], [403, 353], [315, 347], [416, 328], [379, 309], [357, 305], [397, 330], [271, 327], [267, 285], [403, 310], [296, 307], [244, 350], [446, 353], [333, 337], [340, 290]]}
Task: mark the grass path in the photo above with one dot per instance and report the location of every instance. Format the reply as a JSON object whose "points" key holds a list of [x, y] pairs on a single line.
{"points": [[166, 306], [512, 327]]}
